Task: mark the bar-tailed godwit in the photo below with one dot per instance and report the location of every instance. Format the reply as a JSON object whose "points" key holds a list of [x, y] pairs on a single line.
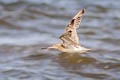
{"points": [[70, 41]]}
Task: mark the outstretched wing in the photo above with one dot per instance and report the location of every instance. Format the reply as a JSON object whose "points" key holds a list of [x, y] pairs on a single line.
{"points": [[67, 41], [73, 25]]}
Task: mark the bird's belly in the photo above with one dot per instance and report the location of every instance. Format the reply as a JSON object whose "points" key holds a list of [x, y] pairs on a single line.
{"points": [[71, 50], [74, 50]]}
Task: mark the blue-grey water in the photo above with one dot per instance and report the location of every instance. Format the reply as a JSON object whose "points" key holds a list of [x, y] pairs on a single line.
{"points": [[28, 25]]}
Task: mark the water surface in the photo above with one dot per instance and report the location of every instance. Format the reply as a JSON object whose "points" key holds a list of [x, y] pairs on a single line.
{"points": [[28, 25]]}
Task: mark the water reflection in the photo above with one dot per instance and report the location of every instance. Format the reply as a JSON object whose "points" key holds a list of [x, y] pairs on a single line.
{"points": [[75, 58]]}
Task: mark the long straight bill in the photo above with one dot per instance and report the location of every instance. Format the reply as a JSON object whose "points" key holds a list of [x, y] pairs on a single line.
{"points": [[44, 48]]}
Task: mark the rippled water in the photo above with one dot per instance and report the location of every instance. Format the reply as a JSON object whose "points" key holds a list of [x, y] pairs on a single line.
{"points": [[28, 25]]}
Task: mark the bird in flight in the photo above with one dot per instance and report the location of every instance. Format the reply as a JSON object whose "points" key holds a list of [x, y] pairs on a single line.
{"points": [[70, 41]]}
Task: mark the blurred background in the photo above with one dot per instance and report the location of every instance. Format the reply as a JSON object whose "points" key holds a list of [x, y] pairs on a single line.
{"points": [[28, 25]]}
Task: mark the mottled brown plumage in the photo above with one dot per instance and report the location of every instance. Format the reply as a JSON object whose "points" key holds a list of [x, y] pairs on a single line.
{"points": [[70, 40]]}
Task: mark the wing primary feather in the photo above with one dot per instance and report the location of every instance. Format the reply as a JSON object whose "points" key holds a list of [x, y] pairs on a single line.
{"points": [[70, 36]]}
